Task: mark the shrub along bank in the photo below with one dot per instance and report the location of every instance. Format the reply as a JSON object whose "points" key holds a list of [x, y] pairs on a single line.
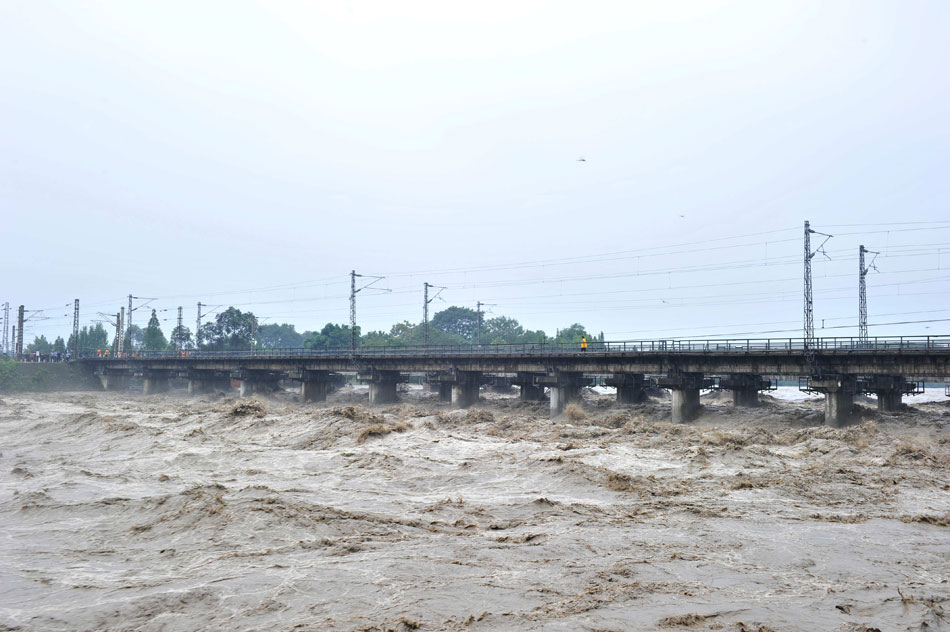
{"points": [[41, 377]]}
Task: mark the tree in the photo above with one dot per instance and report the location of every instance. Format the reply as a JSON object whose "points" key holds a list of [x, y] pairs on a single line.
{"points": [[90, 339], [153, 339], [40, 345], [232, 329], [330, 337], [502, 329], [210, 337], [236, 328], [59, 345], [274, 336], [371, 339], [571, 334], [460, 321], [180, 339], [133, 337]]}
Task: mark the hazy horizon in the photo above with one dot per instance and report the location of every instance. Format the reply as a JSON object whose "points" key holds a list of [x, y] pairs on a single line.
{"points": [[252, 154]]}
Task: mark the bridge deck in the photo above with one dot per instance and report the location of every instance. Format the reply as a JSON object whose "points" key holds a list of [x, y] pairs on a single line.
{"points": [[926, 357]]}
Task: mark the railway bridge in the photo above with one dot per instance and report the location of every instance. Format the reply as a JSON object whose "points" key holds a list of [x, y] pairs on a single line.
{"points": [[837, 367]]}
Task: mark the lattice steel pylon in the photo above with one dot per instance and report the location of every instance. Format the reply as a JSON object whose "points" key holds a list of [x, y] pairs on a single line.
{"points": [[353, 291], [6, 328], [863, 293], [198, 328], [180, 330], [76, 328], [425, 309], [478, 321], [120, 332], [809, 306], [809, 303], [18, 351], [353, 276]]}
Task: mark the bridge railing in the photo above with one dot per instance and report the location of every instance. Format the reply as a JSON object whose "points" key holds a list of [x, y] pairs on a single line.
{"points": [[743, 345]]}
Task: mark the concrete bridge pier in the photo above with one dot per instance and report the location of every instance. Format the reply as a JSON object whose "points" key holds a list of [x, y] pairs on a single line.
{"points": [[629, 387], [382, 386], [155, 382], [565, 388], [530, 390], [531, 393], [442, 383], [207, 381], [561, 396], [445, 391], [839, 398], [745, 388], [684, 388], [114, 380], [465, 389], [258, 382], [198, 384], [889, 390], [314, 385]]}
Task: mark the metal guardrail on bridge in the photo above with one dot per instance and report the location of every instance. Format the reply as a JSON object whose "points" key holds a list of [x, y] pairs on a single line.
{"points": [[747, 345]]}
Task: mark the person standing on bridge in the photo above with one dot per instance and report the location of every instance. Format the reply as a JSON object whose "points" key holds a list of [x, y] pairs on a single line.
{"points": [[583, 343]]}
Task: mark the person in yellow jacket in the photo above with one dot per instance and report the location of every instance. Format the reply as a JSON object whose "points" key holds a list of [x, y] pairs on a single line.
{"points": [[583, 343]]}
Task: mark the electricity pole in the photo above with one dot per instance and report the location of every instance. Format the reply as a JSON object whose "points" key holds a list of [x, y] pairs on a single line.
{"points": [[809, 304], [119, 337], [18, 351], [863, 294], [425, 309], [353, 291], [353, 276], [198, 328], [478, 323], [76, 328], [6, 328], [180, 329], [128, 325]]}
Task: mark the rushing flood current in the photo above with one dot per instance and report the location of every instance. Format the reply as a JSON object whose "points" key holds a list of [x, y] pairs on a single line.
{"points": [[125, 512]]}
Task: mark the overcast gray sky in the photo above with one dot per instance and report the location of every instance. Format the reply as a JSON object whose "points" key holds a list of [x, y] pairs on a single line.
{"points": [[212, 151]]}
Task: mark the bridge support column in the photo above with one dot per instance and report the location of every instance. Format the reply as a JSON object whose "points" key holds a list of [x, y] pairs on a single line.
{"points": [[465, 389], [313, 390], [114, 380], [258, 382], [561, 396], [198, 385], [314, 385], [155, 382], [382, 386], [839, 398], [501, 385], [565, 388], [685, 389], [206, 381], [889, 390], [445, 392], [531, 391], [629, 387], [745, 388]]}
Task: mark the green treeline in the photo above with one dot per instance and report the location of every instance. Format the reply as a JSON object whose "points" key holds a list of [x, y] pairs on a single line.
{"points": [[233, 329]]}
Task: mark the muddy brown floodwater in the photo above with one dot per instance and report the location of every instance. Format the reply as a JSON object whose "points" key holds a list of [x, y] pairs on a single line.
{"points": [[127, 512]]}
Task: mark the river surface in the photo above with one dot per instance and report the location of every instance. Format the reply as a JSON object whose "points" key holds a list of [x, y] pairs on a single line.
{"points": [[166, 513]]}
